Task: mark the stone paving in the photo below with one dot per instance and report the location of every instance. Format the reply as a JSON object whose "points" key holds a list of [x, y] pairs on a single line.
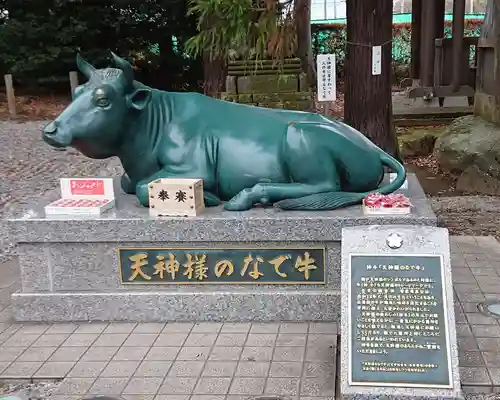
{"points": [[214, 361]]}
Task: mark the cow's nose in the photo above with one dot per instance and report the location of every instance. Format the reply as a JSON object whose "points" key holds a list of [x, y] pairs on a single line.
{"points": [[51, 128]]}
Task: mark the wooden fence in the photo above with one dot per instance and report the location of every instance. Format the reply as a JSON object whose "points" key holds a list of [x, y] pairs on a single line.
{"points": [[11, 97]]}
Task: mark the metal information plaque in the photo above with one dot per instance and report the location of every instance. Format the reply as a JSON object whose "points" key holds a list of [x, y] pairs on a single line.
{"points": [[398, 332]]}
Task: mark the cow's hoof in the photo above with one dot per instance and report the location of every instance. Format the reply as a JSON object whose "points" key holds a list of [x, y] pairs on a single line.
{"points": [[127, 185], [210, 199], [240, 202]]}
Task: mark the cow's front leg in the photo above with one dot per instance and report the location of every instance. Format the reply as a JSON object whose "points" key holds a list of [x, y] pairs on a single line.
{"points": [[265, 193], [127, 185], [142, 189]]}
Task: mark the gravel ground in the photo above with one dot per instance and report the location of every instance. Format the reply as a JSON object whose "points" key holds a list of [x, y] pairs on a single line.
{"points": [[29, 390], [469, 215], [30, 170]]}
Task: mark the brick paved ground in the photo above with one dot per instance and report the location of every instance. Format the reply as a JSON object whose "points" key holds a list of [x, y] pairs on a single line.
{"points": [[211, 361]]}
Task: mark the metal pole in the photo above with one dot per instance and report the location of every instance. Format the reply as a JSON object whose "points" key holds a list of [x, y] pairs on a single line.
{"points": [[457, 40]]}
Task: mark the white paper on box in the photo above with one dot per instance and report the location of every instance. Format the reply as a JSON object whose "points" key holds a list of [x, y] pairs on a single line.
{"points": [[87, 188], [83, 196], [327, 83], [386, 210], [376, 60], [393, 176]]}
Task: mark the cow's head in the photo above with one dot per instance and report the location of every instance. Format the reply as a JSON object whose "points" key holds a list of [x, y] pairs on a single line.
{"points": [[94, 120]]}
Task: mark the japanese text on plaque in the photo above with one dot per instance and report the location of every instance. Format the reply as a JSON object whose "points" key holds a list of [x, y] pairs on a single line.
{"points": [[194, 266], [398, 332]]}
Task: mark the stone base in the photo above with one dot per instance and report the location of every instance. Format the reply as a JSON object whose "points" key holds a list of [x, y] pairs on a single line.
{"points": [[266, 306], [70, 264]]}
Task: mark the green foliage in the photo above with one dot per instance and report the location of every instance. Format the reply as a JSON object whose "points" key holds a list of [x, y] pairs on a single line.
{"points": [[242, 29], [328, 39], [40, 38]]}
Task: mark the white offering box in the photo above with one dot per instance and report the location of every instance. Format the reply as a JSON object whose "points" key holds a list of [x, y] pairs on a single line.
{"points": [[386, 210], [176, 197], [83, 196]]}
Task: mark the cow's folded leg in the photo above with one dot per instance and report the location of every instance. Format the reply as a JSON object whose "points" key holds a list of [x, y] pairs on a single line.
{"points": [[142, 193], [211, 200], [127, 185], [266, 193]]}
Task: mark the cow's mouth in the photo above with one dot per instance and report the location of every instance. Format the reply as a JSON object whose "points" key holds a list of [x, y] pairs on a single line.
{"points": [[53, 137], [53, 140]]}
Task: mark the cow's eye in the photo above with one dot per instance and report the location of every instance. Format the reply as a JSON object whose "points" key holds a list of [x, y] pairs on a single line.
{"points": [[102, 102]]}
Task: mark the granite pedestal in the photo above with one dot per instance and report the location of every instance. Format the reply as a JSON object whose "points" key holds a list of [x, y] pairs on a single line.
{"points": [[70, 268]]}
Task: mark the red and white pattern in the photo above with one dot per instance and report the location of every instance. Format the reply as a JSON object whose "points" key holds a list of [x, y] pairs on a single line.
{"points": [[394, 200], [78, 203], [395, 203]]}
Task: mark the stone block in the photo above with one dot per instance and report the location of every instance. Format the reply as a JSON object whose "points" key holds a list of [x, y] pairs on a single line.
{"points": [[419, 143], [397, 243], [267, 97], [80, 259], [474, 180], [231, 87], [228, 96], [267, 83], [297, 105], [246, 98], [303, 83], [270, 104]]}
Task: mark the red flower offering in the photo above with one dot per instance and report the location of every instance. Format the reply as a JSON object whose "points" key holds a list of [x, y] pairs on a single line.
{"points": [[394, 200]]}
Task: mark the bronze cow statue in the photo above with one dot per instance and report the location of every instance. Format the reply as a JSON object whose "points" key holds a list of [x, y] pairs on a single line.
{"points": [[245, 155]]}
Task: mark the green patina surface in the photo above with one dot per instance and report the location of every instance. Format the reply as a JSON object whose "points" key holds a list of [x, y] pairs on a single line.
{"points": [[223, 266], [245, 155]]}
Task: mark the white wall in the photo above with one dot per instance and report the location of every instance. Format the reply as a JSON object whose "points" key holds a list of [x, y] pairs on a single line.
{"points": [[331, 9], [327, 9]]}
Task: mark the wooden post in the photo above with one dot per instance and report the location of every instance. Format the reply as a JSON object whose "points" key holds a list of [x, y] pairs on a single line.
{"points": [[73, 80], [11, 98], [428, 36], [457, 39], [416, 25], [440, 13]]}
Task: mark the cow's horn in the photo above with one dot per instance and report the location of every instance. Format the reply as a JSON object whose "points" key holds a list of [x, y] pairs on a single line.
{"points": [[126, 67], [86, 68]]}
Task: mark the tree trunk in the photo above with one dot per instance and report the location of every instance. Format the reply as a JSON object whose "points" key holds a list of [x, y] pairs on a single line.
{"points": [[304, 42], [214, 70], [368, 98]]}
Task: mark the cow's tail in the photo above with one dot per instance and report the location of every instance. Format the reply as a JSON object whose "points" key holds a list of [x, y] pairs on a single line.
{"points": [[333, 200]]}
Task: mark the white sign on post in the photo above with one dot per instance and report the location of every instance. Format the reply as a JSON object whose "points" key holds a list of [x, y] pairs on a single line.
{"points": [[376, 60], [327, 84]]}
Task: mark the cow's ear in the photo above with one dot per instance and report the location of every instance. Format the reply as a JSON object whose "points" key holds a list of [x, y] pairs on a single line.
{"points": [[139, 98]]}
